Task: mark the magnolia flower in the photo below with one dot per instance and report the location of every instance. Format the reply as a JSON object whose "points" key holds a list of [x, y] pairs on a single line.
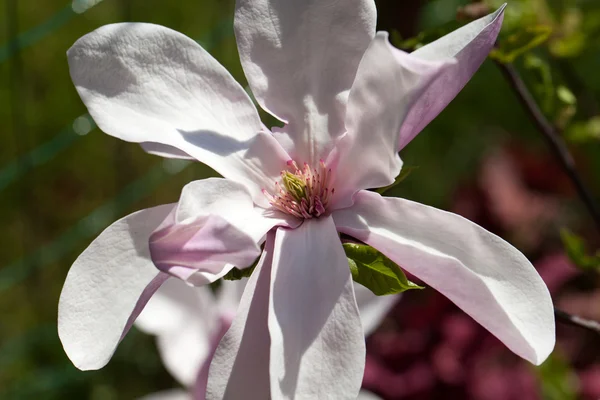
{"points": [[189, 322], [348, 102]]}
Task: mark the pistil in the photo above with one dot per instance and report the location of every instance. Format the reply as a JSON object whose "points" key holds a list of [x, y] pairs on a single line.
{"points": [[303, 193]]}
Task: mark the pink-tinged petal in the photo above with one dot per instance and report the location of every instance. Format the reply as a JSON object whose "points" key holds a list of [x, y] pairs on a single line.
{"points": [[174, 394], [317, 341], [372, 308], [232, 201], [300, 58], [201, 383], [163, 150], [388, 82], [484, 275], [184, 319], [147, 83], [107, 287], [469, 46], [205, 245], [215, 226], [240, 365]]}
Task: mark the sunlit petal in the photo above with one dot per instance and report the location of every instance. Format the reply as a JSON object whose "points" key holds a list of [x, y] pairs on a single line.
{"points": [[317, 342], [300, 58], [107, 287], [484, 275], [468, 46], [147, 83]]}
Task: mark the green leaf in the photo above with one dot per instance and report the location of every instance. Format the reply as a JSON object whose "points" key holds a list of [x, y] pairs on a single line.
{"points": [[518, 43], [423, 37], [404, 173], [566, 95], [409, 43], [375, 271], [558, 380], [543, 81], [584, 132], [577, 251], [570, 37], [236, 273]]}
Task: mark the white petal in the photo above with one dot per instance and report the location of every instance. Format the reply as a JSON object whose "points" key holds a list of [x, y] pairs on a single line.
{"points": [[107, 287], [484, 275], [317, 341], [147, 83], [372, 308], [171, 306], [388, 82], [300, 58], [468, 46], [241, 362], [184, 319], [186, 351]]}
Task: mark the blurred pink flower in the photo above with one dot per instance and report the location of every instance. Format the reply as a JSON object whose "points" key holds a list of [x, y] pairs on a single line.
{"points": [[520, 210]]}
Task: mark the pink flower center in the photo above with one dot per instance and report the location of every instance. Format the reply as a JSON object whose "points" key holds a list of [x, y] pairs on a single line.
{"points": [[303, 193]]}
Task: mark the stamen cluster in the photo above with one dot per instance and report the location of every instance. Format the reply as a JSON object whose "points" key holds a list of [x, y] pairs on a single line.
{"points": [[303, 193]]}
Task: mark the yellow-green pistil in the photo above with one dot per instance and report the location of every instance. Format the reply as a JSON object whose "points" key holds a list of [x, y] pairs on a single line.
{"points": [[304, 192], [294, 185]]}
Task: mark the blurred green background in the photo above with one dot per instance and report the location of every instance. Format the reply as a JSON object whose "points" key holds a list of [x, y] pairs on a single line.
{"points": [[62, 181]]}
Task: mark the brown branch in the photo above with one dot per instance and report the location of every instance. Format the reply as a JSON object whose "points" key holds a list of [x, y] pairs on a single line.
{"points": [[552, 137], [575, 320]]}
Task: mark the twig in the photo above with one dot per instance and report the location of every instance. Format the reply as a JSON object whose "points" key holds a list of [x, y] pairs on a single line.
{"points": [[552, 137], [575, 320]]}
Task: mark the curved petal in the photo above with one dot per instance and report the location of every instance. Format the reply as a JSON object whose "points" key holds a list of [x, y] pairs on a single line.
{"points": [[372, 308], [317, 341], [206, 244], [107, 287], [185, 354], [469, 46], [215, 223], [241, 361], [300, 58], [388, 82], [147, 83], [484, 275], [232, 201], [184, 319]]}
